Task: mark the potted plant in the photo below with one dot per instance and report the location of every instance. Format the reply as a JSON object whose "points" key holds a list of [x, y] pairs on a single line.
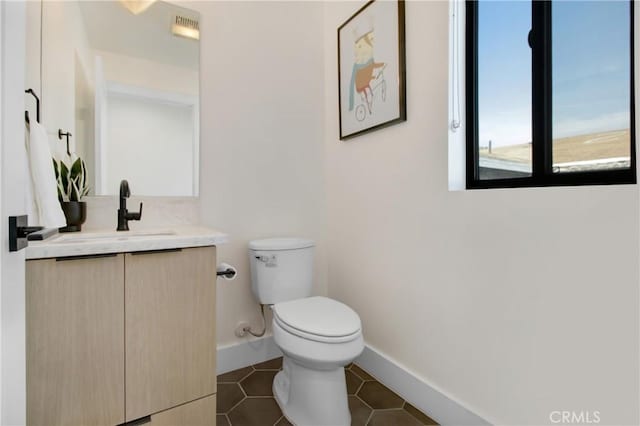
{"points": [[72, 187]]}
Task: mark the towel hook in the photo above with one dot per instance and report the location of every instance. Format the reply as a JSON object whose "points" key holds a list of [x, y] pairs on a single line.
{"points": [[26, 113], [67, 135]]}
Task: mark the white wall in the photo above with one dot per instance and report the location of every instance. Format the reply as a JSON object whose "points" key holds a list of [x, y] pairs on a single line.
{"points": [[32, 53], [261, 136], [85, 120], [512, 302], [149, 74], [158, 134], [64, 41]]}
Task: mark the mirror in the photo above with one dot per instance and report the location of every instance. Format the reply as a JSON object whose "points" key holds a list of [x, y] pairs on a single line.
{"points": [[123, 78]]}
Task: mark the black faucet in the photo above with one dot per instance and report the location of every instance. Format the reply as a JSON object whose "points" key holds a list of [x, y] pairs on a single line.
{"points": [[123, 215]]}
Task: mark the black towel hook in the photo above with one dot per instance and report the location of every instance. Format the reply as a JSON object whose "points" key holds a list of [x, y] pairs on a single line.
{"points": [[26, 113], [67, 135]]}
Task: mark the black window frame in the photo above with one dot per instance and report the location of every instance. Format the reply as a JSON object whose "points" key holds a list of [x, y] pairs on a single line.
{"points": [[542, 169]]}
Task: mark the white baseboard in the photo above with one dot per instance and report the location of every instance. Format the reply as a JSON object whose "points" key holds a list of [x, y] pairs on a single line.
{"points": [[244, 354], [417, 392]]}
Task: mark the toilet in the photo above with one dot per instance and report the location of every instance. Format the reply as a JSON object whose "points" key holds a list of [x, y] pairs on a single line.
{"points": [[317, 335]]}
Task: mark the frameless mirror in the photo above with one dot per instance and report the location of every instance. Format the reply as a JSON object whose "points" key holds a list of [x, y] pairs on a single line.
{"points": [[123, 78]]}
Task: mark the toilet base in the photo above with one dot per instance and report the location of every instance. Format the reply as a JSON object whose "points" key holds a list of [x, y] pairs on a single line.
{"points": [[310, 397]]}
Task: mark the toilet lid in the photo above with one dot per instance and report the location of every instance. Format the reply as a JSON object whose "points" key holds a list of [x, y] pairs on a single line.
{"points": [[280, 244], [319, 316]]}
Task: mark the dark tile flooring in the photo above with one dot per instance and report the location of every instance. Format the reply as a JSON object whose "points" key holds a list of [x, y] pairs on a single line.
{"points": [[245, 398]]}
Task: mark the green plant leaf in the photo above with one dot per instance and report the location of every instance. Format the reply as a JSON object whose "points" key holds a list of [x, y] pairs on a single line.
{"points": [[64, 177], [76, 168], [71, 182], [56, 169], [74, 193], [83, 182]]}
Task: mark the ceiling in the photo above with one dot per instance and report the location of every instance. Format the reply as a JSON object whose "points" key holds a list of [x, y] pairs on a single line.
{"points": [[111, 27]]}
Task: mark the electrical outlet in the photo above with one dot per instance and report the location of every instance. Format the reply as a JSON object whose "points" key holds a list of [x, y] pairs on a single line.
{"points": [[241, 329]]}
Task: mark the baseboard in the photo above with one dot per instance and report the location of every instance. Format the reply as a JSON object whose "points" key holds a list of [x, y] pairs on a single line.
{"points": [[232, 357], [417, 392]]}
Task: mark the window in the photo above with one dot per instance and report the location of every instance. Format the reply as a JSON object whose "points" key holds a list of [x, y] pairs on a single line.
{"points": [[549, 93]]}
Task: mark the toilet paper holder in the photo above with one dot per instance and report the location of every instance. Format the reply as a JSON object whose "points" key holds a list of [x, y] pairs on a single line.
{"points": [[227, 271]]}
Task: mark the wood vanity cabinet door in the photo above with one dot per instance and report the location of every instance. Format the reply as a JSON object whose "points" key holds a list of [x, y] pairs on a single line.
{"points": [[75, 341], [170, 341]]}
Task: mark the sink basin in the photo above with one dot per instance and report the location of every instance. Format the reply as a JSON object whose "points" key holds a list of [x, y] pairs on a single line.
{"points": [[110, 237]]}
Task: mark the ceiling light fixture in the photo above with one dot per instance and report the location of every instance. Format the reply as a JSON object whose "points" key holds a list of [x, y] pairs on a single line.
{"points": [[137, 6]]}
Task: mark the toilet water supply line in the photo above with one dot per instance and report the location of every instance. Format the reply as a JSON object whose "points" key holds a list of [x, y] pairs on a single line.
{"points": [[247, 329]]}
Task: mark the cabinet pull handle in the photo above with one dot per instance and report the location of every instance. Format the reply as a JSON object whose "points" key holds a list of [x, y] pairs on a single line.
{"points": [[138, 253], [136, 422], [85, 256]]}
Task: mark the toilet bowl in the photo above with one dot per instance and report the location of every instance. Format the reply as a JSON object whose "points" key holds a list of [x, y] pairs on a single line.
{"points": [[317, 335]]}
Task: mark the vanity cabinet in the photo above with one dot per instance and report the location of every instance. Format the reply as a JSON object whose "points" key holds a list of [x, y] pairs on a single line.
{"points": [[116, 338]]}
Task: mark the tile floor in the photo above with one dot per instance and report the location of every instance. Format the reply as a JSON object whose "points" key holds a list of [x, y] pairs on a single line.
{"points": [[245, 398]]}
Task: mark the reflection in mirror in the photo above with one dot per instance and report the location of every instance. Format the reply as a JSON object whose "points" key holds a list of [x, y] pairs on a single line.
{"points": [[126, 86]]}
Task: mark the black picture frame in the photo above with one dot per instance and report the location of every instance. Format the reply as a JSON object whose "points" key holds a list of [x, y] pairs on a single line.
{"points": [[364, 118]]}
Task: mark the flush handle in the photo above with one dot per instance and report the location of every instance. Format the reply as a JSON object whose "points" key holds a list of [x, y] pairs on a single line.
{"points": [[270, 261]]}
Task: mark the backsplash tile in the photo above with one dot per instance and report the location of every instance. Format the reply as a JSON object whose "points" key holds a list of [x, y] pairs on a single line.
{"points": [[158, 212]]}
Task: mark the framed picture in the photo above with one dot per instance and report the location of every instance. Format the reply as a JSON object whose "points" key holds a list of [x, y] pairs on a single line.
{"points": [[371, 68]]}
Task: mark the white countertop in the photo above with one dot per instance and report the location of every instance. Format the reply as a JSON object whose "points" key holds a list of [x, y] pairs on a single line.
{"points": [[110, 241]]}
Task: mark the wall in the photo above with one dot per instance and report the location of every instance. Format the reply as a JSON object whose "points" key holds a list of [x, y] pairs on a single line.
{"points": [[149, 74], [65, 48], [32, 53], [85, 120], [261, 136], [154, 131], [512, 302]]}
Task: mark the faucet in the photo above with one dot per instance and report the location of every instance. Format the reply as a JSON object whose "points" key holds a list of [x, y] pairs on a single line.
{"points": [[123, 214]]}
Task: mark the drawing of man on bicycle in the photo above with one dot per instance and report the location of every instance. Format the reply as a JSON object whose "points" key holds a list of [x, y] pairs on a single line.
{"points": [[365, 70]]}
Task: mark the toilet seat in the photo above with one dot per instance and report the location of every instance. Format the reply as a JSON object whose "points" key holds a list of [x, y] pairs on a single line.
{"points": [[319, 319]]}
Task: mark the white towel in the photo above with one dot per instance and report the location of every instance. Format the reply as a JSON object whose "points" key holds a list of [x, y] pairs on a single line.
{"points": [[43, 177], [30, 201]]}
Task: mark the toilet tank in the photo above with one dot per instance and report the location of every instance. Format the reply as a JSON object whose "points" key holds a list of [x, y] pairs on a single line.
{"points": [[281, 269]]}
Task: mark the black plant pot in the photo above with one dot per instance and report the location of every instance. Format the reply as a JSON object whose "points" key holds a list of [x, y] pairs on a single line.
{"points": [[76, 214]]}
